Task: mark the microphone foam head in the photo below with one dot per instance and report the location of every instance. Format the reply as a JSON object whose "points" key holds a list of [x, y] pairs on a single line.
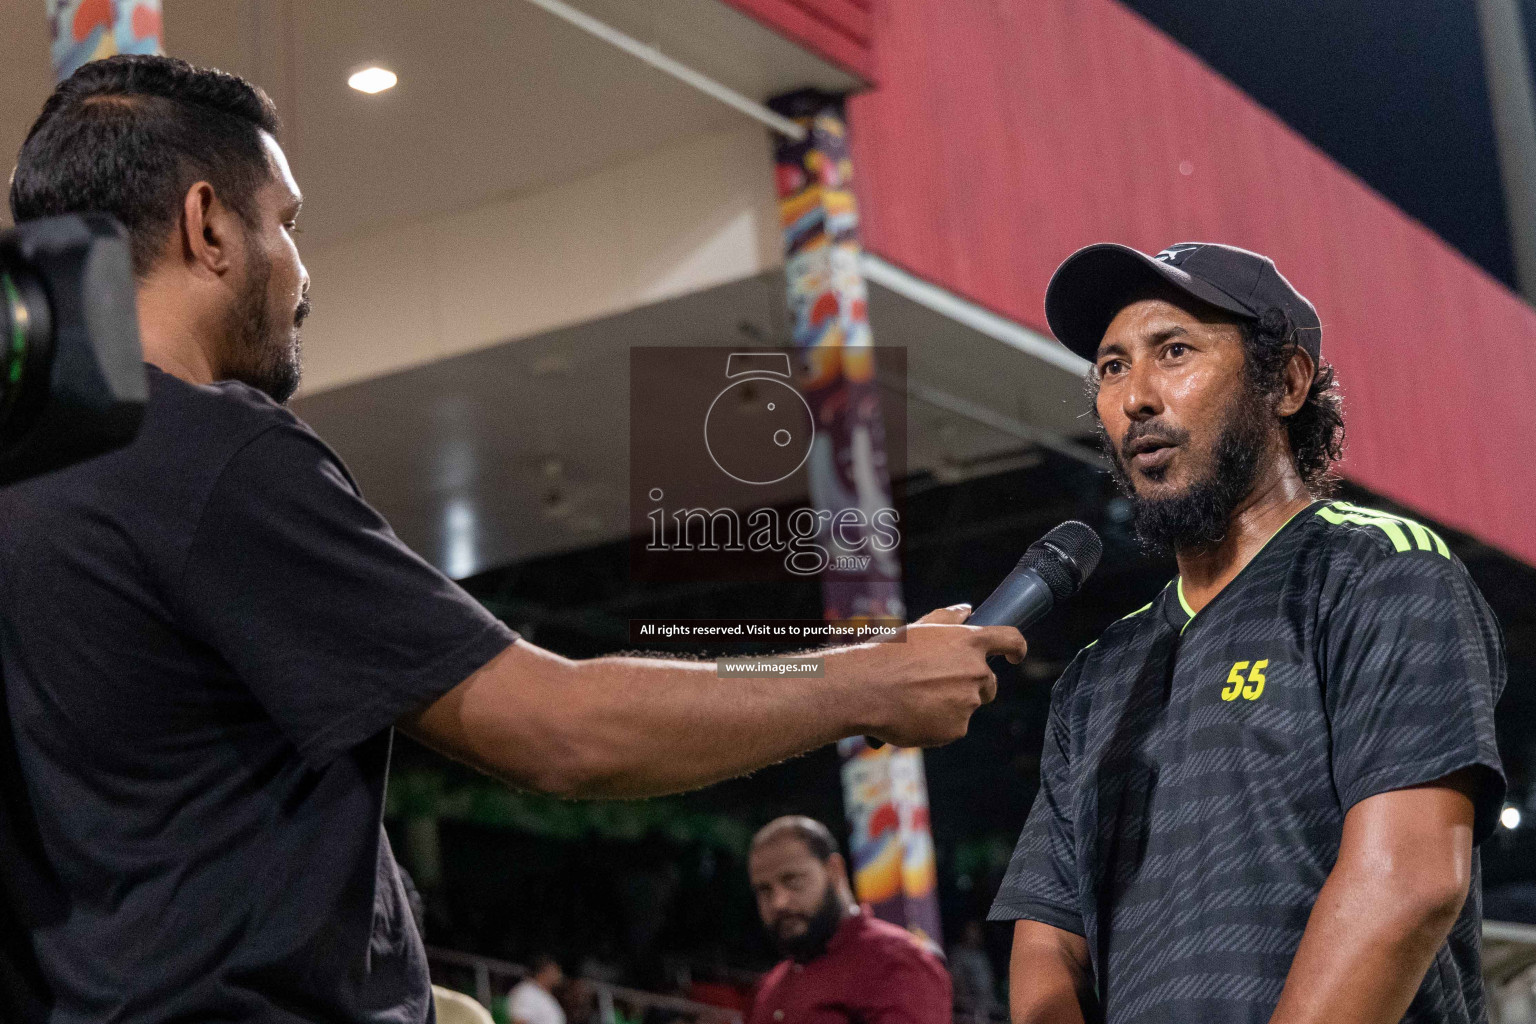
{"points": [[1065, 557]]}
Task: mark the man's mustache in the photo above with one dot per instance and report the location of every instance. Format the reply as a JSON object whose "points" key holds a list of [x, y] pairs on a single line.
{"points": [[1163, 433], [302, 312]]}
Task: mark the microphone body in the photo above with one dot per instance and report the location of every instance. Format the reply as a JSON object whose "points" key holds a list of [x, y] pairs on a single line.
{"points": [[1021, 600], [1052, 570]]}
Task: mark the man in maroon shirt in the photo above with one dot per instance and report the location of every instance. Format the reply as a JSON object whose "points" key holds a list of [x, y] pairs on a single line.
{"points": [[843, 964]]}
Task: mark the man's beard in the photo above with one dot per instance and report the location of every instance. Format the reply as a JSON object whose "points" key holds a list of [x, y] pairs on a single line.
{"points": [[1199, 516], [819, 929], [264, 354]]}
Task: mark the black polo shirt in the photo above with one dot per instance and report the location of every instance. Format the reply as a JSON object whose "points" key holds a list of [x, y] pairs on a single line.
{"points": [[1197, 768]]}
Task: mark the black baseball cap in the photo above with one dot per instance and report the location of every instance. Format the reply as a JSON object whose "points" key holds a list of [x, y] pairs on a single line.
{"points": [[1095, 283]]}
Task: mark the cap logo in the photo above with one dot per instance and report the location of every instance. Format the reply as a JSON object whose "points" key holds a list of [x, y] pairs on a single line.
{"points": [[1174, 253]]}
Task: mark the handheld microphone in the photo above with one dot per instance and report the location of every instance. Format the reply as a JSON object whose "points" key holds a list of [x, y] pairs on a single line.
{"points": [[1052, 570]]}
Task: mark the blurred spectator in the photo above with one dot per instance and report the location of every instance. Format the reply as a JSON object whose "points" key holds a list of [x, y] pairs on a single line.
{"points": [[578, 1000], [533, 1001], [843, 964], [971, 969]]}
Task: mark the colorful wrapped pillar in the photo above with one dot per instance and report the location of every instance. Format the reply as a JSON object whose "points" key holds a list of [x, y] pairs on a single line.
{"points": [[885, 799], [884, 794], [87, 30]]}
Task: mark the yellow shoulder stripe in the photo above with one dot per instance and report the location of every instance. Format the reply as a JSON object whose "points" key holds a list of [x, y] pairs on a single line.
{"points": [[1405, 534], [1138, 611], [1423, 535]]}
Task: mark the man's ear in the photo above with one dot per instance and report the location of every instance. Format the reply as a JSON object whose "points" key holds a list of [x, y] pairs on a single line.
{"points": [[838, 869], [1299, 372], [210, 231]]}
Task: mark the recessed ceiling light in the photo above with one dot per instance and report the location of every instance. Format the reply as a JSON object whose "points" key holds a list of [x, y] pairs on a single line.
{"points": [[372, 80]]}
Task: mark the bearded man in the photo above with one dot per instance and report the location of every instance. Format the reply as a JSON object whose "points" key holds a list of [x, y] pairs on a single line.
{"points": [[842, 964], [208, 636], [1261, 794]]}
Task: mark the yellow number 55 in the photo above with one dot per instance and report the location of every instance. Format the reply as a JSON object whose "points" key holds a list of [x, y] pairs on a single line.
{"points": [[1249, 688]]}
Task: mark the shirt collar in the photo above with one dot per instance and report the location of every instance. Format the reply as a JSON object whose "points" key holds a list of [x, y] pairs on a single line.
{"points": [[1176, 609], [851, 924]]}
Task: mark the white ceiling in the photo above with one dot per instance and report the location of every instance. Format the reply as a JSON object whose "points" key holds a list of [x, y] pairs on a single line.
{"points": [[521, 450], [496, 97]]}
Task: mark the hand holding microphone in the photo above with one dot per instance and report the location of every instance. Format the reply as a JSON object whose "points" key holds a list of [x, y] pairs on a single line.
{"points": [[1052, 570]]}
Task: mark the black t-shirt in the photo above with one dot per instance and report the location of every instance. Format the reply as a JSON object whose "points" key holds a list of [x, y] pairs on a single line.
{"points": [[205, 638], [1197, 768]]}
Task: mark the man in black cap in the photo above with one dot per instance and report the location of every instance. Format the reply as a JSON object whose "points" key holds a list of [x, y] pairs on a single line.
{"points": [[1260, 794]]}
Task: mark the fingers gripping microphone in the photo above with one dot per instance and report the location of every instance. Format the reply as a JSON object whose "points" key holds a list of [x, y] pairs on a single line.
{"points": [[1051, 571]]}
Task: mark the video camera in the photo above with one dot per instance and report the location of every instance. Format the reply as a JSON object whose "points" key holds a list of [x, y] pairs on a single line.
{"points": [[72, 381]]}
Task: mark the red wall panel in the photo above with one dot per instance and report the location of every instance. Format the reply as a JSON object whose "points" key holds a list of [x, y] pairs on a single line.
{"points": [[838, 30], [1004, 134]]}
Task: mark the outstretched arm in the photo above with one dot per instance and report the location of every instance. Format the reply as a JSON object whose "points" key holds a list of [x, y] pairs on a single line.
{"points": [[1402, 875], [630, 727]]}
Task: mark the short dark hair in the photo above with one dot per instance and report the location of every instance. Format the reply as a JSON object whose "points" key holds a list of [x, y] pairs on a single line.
{"points": [[130, 134], [816, 837]]}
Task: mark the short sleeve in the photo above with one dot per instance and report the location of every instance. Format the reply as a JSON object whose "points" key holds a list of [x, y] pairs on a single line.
{"points": [[1413, 664], [1041, 883], [337, 627]]}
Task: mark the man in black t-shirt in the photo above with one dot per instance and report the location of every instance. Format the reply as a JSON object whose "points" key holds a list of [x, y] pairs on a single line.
{"points": [[1261, 793], [207, 636]]}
